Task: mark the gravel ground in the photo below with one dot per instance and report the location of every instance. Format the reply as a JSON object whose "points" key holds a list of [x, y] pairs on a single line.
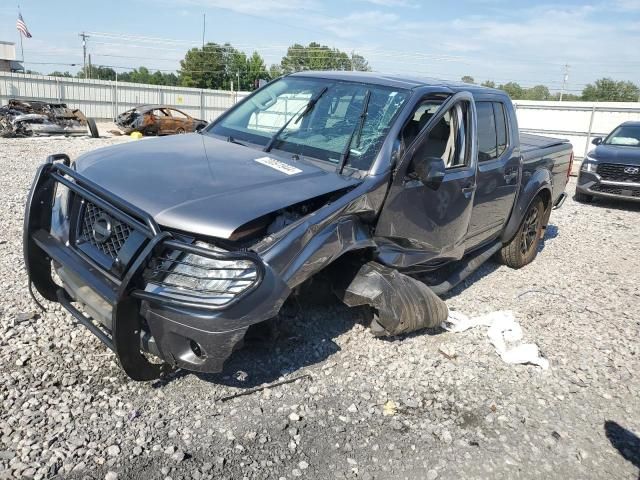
{"points": [[68, 411]]}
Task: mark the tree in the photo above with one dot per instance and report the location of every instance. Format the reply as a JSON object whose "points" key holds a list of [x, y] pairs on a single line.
{"points": [[97, 72], [217, 66], [608, 90], [514, 90], [275, 71], [137, 75], [256, 70], [56, 73], [320, 57], [468, 79], [359, 63], [203, 67], [539, 92], [489, 83]]}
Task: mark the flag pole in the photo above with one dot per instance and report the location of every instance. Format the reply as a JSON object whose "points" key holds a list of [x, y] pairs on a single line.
{"points": [[22, 51], [21, 46]]}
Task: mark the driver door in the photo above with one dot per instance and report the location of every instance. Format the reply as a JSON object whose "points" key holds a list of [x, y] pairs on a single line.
{"points": [[422, 221]]}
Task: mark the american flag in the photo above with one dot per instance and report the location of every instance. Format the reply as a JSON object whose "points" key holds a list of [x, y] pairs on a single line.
{"points": [[22, 27]]}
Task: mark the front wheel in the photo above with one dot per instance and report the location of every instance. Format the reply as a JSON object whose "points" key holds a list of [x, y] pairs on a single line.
{"points": [[523, 248]]}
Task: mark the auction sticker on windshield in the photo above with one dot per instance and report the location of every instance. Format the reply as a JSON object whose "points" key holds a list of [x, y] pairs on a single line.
{"points": [[278, 165]]}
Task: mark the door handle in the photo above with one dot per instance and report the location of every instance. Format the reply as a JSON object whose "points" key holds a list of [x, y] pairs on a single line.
{"points": [[468, 190]]}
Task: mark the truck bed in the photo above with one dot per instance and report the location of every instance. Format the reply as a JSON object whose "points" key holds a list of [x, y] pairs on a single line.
{"points": [[530, 142]]}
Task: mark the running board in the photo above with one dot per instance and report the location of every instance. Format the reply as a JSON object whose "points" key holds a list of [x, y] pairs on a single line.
{"points": [[467, 267]]}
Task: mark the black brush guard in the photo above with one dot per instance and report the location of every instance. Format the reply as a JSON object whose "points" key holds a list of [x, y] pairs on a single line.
{"points": [[123, 292]]}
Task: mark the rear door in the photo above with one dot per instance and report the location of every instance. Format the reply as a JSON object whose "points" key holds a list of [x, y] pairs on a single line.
{"points": [[498, 171], [163, 121], [182, 123], [433, 223]]}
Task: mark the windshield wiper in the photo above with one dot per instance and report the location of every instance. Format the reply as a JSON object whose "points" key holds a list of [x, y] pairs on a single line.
{"points": [[308, 107], [356, 132]]}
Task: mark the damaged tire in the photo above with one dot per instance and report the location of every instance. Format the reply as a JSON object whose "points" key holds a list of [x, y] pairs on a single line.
{"points": [[523, 248], [401, 304], [93, 128]]}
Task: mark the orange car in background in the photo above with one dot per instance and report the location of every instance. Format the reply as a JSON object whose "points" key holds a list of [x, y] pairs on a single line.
{"points": [[158, 120]]}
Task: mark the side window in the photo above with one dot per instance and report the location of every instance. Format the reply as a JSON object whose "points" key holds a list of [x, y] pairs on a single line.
{"points": [[447, 139], [419, 119], [487, 141], [492, 130], [501, 127], [178, 114]]}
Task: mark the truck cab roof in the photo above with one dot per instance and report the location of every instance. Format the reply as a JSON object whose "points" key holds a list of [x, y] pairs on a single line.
{"points": [[409, 82]]}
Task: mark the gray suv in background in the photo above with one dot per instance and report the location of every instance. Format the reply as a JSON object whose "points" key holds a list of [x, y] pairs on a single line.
{"points": [[612, 169]]}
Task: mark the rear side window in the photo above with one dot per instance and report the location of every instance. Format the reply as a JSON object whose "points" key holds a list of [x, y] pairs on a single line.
{"points": [[501, 127], [492, 130]]}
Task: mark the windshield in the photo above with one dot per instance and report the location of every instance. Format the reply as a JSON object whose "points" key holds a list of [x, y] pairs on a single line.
{"points": [[324, 131], [625, 135]]}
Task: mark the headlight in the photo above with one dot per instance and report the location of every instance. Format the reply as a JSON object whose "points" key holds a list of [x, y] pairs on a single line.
{"points": [[61, 200], [589, 165], [60, 213], [214, 279]]}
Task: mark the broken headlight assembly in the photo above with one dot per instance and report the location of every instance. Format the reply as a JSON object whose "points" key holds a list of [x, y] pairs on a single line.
{"points": [[215, 280]]}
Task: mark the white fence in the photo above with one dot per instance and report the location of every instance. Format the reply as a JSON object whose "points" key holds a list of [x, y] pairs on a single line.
{"points": [[103, 99], [577, 121]]}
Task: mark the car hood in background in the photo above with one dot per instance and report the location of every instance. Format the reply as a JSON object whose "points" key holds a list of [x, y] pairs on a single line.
{"points": [[197, 183], [616, 154]]}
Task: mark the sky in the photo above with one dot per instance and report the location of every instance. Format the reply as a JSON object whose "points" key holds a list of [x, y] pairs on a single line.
{"points": [[526, 42]]}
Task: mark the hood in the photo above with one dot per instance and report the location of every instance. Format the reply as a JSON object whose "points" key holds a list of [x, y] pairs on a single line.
{"points": [[199, 184], [616, 154]]}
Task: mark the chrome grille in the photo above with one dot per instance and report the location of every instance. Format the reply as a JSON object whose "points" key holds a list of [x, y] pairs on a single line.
{"points": [[616, 173], [119, 231]]}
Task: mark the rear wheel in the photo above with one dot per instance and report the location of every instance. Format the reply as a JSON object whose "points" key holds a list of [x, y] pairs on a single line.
{"points": [[583, 197], [523, 248], [180, 131]]}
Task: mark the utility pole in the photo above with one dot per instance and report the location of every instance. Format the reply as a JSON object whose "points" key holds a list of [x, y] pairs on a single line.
{"points": [[204, 26], [352, 69], [565, 78], [84, 37]]}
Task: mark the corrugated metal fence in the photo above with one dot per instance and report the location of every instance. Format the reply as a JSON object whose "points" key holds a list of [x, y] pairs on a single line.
{"points": [[577, 121], [104, 99]]}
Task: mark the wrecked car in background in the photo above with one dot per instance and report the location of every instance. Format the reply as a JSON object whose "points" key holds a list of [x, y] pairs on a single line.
{"points": [[26, 118], [158, 120], [397, 188]]}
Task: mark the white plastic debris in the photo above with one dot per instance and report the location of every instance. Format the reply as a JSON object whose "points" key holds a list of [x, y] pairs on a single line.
{"points": [[503, 329]]}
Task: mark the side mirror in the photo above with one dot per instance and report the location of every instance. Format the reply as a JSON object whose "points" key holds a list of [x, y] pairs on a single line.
{"points": [[430, 171], [597, 141]]}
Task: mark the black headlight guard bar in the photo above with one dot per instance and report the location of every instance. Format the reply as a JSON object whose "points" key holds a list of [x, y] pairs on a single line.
{"points": [[127, 293]]}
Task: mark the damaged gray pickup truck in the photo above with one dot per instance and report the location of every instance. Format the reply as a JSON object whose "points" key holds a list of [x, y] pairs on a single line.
{"points": [[397, 188]]}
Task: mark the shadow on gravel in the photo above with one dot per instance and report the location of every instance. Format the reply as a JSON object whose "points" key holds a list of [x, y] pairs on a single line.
{"points": [[485, 269], [625, 441], [301, 336], [611, 204], [550, 233]]}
